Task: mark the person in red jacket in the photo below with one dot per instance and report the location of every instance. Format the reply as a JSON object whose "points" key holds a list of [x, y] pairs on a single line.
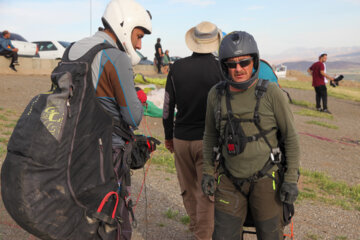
{"points": [[317, 70]]}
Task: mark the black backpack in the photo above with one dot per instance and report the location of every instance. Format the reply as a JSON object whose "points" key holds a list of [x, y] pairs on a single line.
{"points": [[58, 179]]}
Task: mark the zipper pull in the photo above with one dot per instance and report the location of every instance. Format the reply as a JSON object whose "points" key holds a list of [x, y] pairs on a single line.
{"points": [[68, 108]]}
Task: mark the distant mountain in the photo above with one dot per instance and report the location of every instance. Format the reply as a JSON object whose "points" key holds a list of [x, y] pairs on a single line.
{"points": [[353, 57], [304, 65], [347, 54]]}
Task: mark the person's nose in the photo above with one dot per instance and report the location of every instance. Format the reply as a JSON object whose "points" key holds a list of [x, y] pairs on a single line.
{"points": [[138, 44], [238, 67]]}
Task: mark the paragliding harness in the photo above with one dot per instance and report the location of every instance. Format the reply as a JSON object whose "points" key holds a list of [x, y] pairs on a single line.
{"points": [[60, 178], [235, 140]]}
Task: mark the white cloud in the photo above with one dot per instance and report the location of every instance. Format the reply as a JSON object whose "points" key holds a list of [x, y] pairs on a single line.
{"points": [[195, 2]]}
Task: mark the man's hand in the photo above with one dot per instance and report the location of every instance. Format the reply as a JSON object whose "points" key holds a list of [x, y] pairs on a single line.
{"points": [[208, 184], [169, 144], [289, 192], [15, 49]]}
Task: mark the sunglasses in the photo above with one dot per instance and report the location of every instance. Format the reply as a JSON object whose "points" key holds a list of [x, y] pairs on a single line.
{"points": [[243, 63]]}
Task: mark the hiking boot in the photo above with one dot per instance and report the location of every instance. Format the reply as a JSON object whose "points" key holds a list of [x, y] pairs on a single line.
{"points": [[326, 111], [319, 109], [16, 63], [13, 68]]}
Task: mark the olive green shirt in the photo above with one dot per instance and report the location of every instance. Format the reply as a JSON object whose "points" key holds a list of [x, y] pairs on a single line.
{"points": [[274, 111]]}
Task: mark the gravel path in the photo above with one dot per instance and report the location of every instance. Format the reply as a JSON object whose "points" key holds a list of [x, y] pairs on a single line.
{"points": [[321, 150]]}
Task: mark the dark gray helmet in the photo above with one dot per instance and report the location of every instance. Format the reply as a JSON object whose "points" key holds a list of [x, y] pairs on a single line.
{"points": [[237, 44]]}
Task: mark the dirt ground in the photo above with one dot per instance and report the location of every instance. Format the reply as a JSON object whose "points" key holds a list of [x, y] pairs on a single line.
{"points": [[322, 149]]}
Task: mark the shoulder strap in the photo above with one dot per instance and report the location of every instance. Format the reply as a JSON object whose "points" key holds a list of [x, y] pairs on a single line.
{"points": [[260, 90], [220, 91], [261, 87], [89, 55]]}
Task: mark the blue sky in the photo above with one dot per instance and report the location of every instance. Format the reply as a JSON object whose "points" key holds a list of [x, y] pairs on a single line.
{"points": [[277, 25]]}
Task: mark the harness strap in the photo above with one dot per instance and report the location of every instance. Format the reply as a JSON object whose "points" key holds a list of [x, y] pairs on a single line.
{"points": [[239, 182], [260, 89]]}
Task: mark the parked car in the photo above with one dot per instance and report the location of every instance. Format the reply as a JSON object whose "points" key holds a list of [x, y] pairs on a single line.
{"points": [[26, 49], [144, 60], [51, 49], [174, 58]]}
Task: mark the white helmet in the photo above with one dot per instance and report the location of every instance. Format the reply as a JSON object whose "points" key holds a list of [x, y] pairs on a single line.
{"points": [[122, 16]]}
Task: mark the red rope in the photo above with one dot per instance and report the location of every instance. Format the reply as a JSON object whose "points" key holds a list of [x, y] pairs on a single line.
{"points": [[291, 235], [148, 164]]}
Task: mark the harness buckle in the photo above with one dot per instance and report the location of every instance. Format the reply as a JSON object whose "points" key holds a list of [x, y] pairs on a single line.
{"points": [[275, 155]]}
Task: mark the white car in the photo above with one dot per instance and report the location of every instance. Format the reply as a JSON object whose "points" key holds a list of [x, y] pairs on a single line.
{"points": [[26, 49], [51, 49]]}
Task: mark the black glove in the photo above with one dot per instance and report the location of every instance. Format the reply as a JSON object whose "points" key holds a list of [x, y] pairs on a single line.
{"points": [[289, 192], [208, 184]]}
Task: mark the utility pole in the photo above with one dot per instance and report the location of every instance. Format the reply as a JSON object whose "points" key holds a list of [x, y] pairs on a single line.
{"points": [[90, 17]]}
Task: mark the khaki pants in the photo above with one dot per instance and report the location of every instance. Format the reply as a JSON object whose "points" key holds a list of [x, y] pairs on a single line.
{"points": [[231, 209], [189, 162]]}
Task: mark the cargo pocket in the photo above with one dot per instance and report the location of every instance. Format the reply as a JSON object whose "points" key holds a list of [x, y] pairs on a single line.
{"points": [[226, 196]]}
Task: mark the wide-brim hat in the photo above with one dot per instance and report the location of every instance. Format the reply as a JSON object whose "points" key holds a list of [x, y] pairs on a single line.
{"points": [[203, 38]]}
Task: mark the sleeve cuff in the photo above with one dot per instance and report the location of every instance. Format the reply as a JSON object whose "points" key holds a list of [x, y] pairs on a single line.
{"points": [[291, 175]]}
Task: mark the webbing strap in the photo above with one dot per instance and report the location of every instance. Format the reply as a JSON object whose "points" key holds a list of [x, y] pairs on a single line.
{"points": [[89, 55], [260, 89]]}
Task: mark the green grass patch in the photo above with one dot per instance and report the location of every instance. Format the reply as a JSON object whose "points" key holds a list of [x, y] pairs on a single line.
{"points": [[341, 238], [3, 117], [157, 81], [2, 151], [7, 133], [161, 224], [348, 93], [163, 157], [319, 187], [4, 140], [306, 195], [302, 103], [313, 113], [311, 236], [322, 124], [295, 84], [10, 125], [1, 108], [171, 214], [185, 220], [10, 112]]}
